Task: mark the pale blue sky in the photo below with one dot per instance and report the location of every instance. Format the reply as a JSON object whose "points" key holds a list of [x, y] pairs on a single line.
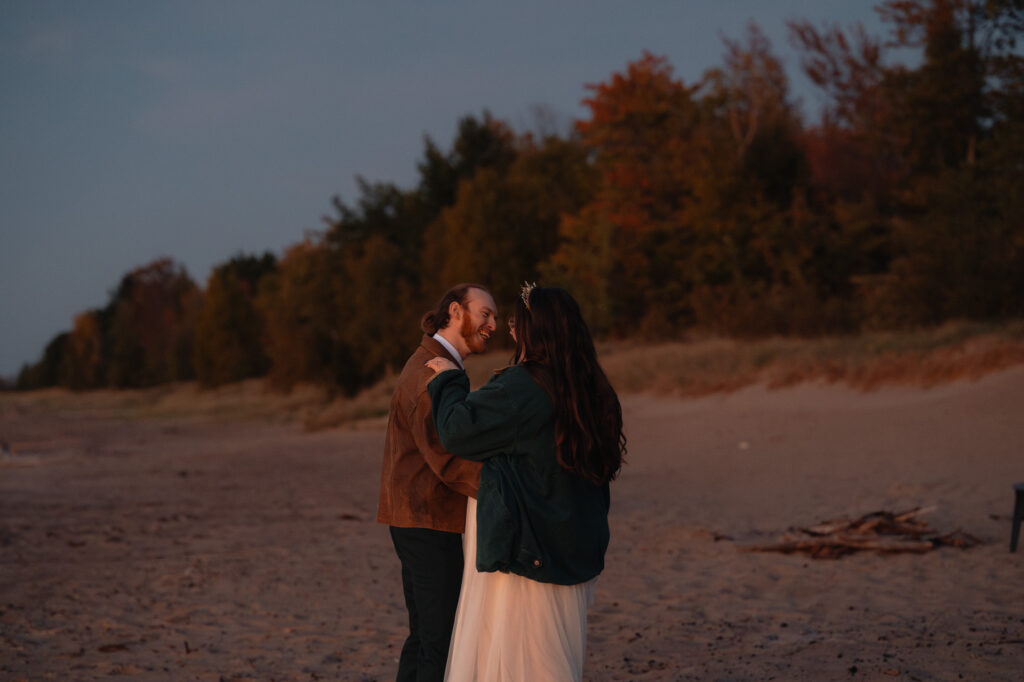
{"points": [[135, 129]]}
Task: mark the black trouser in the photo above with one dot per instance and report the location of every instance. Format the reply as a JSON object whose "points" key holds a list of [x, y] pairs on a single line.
{"points": [[431, 578]]}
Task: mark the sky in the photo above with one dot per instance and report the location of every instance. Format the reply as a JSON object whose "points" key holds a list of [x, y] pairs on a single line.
{"points": [[200, 129]]}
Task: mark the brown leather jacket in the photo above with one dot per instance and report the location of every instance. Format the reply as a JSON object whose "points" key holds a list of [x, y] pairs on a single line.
{"points": [[421, 484]]}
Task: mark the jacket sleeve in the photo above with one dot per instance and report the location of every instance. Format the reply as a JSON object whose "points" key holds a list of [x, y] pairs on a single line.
{"points": [[460, 475], [473, 425]]}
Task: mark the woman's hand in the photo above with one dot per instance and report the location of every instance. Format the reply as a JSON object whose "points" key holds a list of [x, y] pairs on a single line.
{"points": [[440, 364]]}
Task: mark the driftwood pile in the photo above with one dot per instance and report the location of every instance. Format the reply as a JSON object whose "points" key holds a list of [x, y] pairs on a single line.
{"points": [[882, 531]]}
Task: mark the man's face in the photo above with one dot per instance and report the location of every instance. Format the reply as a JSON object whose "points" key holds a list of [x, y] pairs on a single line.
{"points": [[478, 320]]}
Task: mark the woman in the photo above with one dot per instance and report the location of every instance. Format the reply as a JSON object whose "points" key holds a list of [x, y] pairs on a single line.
{"points": [[548, 430]]}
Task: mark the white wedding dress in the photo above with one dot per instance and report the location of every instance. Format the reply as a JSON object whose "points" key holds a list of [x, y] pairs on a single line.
{"points": [[512, 629]]}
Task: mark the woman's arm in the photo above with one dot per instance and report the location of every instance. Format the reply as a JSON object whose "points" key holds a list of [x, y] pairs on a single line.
{"points": [[473, 425]]}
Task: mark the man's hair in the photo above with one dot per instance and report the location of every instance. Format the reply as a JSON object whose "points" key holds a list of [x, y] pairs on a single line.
{"points": [[438, 318], [554, 344]]}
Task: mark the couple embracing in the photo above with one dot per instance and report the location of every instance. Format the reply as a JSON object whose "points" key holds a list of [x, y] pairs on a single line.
{"points": [[497, 499]]}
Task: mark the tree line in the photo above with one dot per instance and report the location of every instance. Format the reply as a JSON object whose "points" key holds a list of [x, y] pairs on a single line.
{"points": [[669, 207]]}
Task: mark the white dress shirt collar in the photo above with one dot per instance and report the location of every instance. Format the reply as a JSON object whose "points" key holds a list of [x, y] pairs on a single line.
{"points": [[450, 348]]}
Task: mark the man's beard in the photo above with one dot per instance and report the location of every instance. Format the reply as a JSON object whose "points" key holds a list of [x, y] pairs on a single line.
{"points": [[474, 341]]}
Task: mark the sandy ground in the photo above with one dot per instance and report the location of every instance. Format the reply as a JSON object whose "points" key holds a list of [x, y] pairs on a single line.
{"points": [[197, 549]]}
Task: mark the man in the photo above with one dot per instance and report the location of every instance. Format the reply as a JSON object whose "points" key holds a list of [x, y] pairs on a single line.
{"points": [[423, 488]]}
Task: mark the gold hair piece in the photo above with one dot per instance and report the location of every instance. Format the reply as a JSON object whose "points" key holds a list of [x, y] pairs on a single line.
{"points": [[524, 293]]}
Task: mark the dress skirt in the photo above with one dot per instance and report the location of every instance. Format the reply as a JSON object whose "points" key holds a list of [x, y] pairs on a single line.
{"points": [[510, 629]]}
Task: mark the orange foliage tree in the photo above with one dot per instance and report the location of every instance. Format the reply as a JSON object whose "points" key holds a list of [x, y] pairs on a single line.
{"points": [[299, 304], [642, 136]]}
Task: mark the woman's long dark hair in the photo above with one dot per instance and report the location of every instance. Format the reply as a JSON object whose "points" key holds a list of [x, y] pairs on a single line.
{"points": [[554, 344]]}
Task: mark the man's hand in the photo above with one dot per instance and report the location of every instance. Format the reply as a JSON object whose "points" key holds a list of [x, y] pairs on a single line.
{"points": [[441, 364]]}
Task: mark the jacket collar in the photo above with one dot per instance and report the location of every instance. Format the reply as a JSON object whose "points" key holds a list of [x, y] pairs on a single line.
{"points": [[435, 347]]}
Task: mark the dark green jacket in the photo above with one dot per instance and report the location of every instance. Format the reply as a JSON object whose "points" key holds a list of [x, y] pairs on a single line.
{"points": [[534, 518]]}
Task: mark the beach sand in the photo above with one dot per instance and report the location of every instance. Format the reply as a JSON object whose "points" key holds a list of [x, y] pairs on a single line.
{"points": [[207, 549]]}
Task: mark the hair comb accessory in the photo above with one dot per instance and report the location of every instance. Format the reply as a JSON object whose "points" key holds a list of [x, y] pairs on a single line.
{"points": [[524, 293]]}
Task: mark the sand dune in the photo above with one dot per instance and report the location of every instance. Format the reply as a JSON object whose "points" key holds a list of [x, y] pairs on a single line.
{"points": [[193, 549]]}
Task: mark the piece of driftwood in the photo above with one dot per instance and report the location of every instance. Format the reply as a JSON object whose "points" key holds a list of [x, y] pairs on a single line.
{"points": [[884, 532]]}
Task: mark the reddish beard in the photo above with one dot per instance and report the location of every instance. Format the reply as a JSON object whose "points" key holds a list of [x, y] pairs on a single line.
{"points": [[469, 334]]}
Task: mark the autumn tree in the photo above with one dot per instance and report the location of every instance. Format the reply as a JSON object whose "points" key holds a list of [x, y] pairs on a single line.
{"points": [[374, 247], [761, 261], [142, 337], [504, 222], [380, 318], [640, 134], [344, 306], [482, 142], [299, 304], [702, 216], [153, 315], [584, 262], [229, 333], [46, 371], [926, 131], [959, 236], [84, 361]]}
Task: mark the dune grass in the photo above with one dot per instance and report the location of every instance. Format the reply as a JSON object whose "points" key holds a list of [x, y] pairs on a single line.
{"points": [[688, 367], [921, 358]]}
